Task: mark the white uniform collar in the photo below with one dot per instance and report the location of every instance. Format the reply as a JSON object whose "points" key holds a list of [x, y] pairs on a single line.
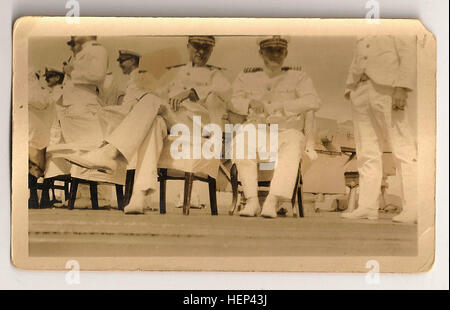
{"points": [[190, 66], [268, 73], [88, 43], [134, 72]]}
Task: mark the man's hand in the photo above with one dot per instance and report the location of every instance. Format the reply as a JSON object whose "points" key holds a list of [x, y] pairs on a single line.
{"points": [[256, 106], [274, 106], [175, 102], [311, 153], [68, 68], [399, 98]]}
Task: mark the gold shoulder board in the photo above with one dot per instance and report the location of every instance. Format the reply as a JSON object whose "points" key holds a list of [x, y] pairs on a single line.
{"points": [[252, 69], [176, 66]]}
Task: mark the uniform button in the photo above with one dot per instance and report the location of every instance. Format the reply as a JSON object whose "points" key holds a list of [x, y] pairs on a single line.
{"points": [[184, 88], [368, 45], [268, 88], [365, 57], [188, 74]]}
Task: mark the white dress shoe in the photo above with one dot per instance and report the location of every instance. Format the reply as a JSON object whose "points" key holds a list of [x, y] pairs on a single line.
{"points": [[133, 209], [405, 217], [269, 209], [360, 213], [137, 202], [252, 208]]}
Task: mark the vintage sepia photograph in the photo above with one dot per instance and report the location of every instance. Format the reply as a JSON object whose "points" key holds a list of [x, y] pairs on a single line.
{"points": [[162, 146]]}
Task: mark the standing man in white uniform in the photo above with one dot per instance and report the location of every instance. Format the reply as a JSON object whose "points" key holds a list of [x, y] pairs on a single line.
{"points": [[85, 75], [274, 95], [135, 130], [77, 112], [381, 76]]}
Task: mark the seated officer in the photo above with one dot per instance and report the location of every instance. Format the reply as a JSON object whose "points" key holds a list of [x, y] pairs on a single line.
{"points": [[141, 132], [114, 88], [273, 95], [199, 82], [198, 88], [111, 115], [129, 63]]}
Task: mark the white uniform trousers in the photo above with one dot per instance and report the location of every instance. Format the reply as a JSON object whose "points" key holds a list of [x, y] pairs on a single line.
{"points": [[291, 143], [142, 132], [374, 124]]}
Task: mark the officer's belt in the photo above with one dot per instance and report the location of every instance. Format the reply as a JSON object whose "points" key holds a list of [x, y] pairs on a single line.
{"points": [[89, 87]]}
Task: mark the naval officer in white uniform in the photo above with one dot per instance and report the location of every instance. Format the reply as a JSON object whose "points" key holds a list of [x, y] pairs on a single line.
{"points": [[274, 95], [85, 75], [198, 85], [381, 76], [112, 115]]}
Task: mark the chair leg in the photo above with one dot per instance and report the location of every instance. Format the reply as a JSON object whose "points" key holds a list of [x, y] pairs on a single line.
{"points": [[351, 199], [45, 198], [234, 188], [53, 190], [212, 195], [54, 200], [162, 191], [94, 194], [300, 199], [120, 198], [188, 181], [33, 201], [129, 183], [294, 196], [242, 202], [382, 198], [73, 193], [66, 190]]}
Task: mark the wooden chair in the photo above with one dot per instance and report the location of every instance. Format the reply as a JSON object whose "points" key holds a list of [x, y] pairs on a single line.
{"points": [[93, 187], [46, 186], [129, 184], [49, 185], [297, 193], [168, 174], [33, 186], [163, 177]]}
